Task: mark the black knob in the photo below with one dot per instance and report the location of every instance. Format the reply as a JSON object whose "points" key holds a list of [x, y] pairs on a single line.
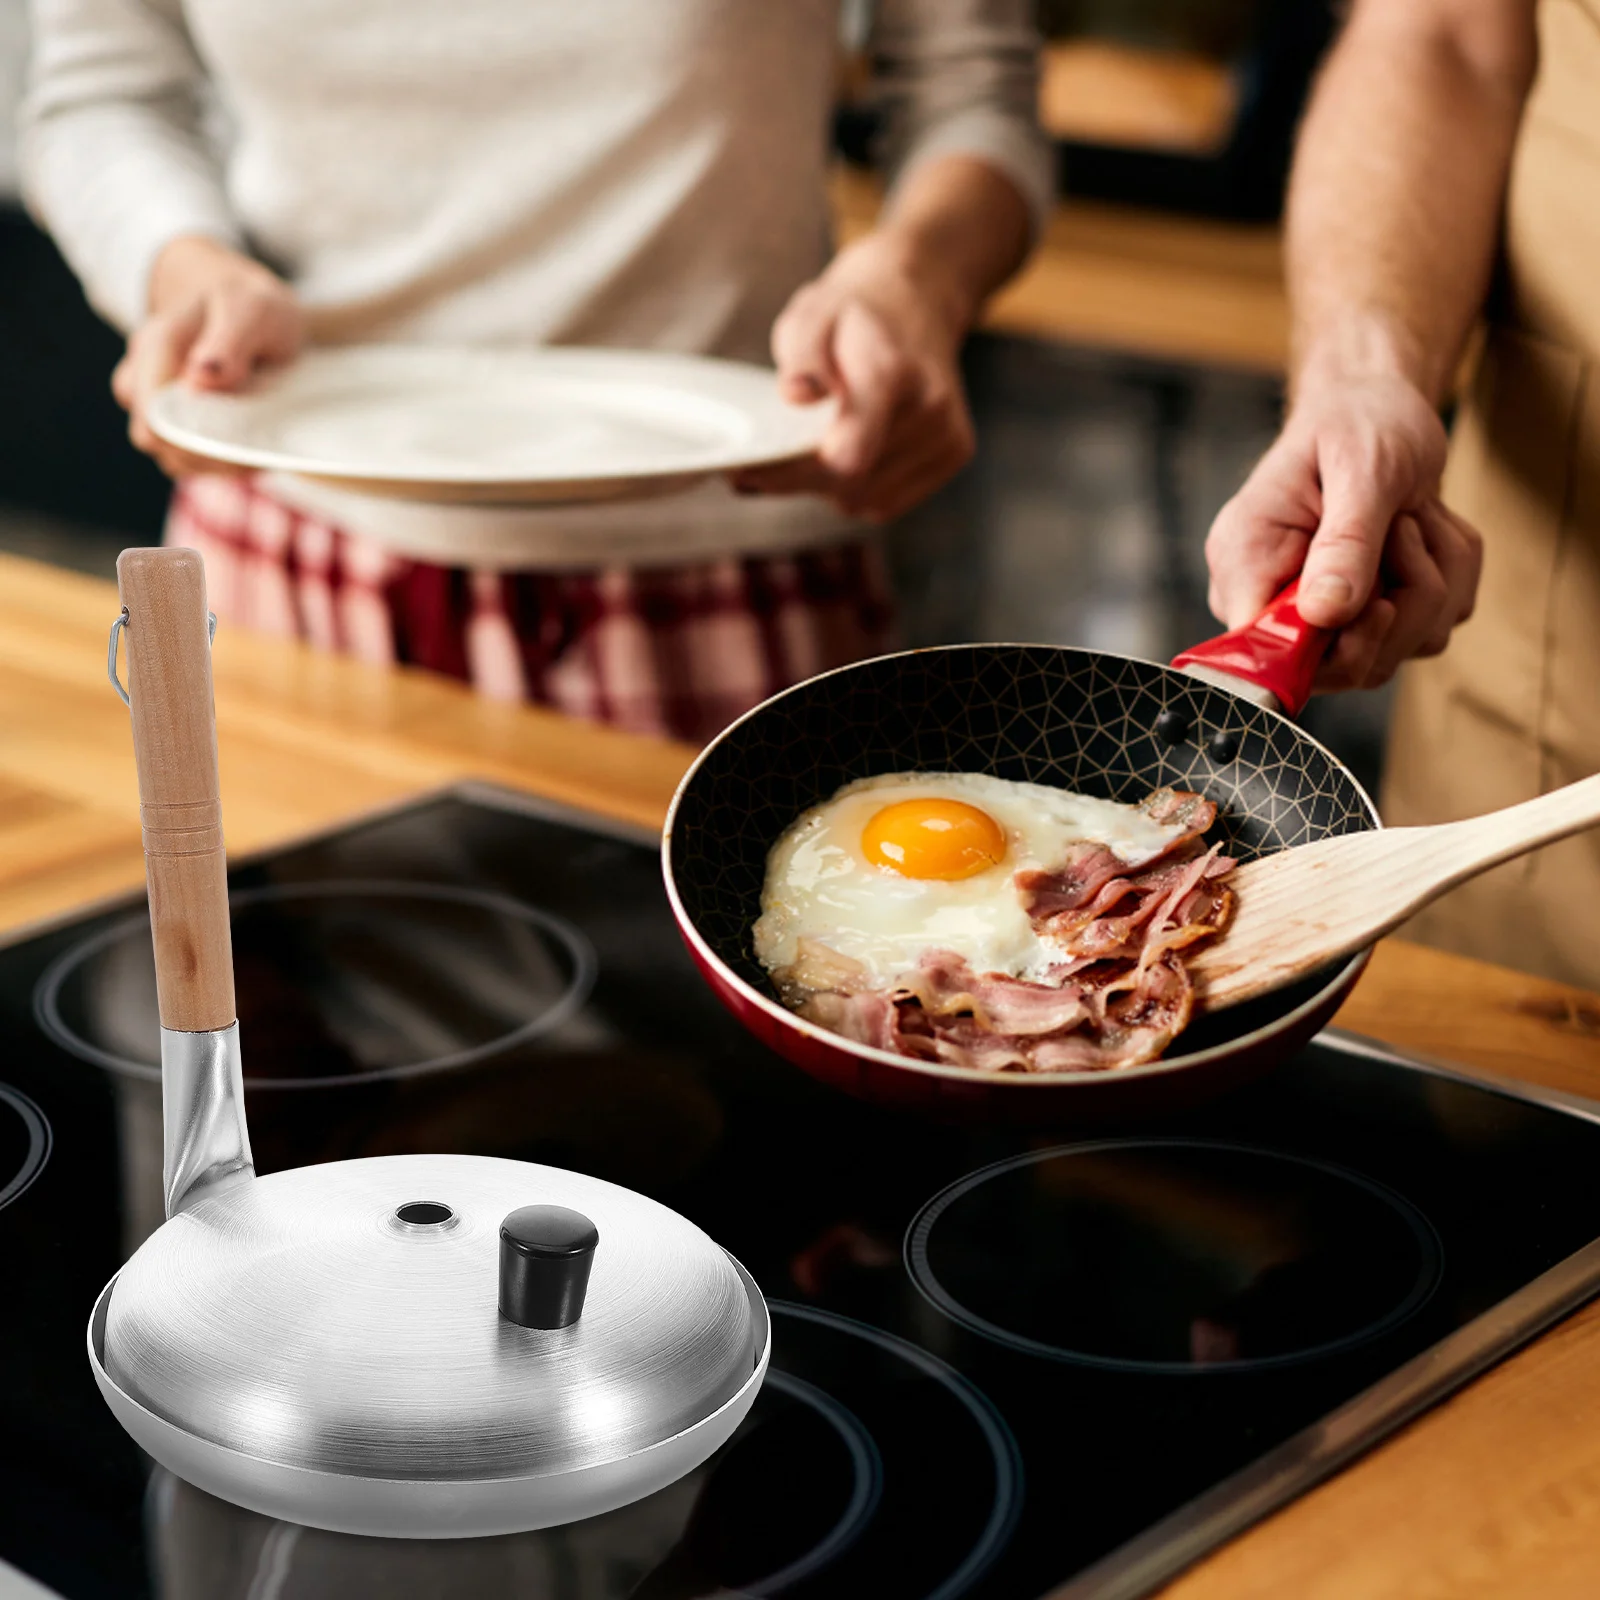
{"points": [[545, 1256]]}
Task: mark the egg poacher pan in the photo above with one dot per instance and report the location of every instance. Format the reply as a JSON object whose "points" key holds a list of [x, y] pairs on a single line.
{"points": [[418, 1346], [1218, 721]]}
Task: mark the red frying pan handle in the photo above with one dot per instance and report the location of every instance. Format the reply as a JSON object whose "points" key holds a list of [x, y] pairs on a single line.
{"points": [[1279, 652]]}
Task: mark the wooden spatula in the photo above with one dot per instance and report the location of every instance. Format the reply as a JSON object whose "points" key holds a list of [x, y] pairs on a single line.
{"points": [[1303, 908]]}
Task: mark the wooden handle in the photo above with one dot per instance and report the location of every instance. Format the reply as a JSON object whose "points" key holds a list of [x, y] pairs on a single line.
{"points": [[180, 807], [1498, 836]]}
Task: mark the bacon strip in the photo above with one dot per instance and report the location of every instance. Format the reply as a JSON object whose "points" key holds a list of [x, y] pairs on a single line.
{"points": [[944, 986], [1176, 889], [1192, 812], [818, 968], [1082, 879], [1109, 1015]]}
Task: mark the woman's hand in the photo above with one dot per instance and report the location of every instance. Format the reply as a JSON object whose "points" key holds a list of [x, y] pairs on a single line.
{"points": [[881, 332], [215, 317], [1347, 498]]}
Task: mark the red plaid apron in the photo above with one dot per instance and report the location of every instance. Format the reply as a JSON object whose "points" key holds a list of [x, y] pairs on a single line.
{"points": [[665, 650]]}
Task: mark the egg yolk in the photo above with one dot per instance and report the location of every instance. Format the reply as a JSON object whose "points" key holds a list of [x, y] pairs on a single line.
{"points": [[945, 839]]}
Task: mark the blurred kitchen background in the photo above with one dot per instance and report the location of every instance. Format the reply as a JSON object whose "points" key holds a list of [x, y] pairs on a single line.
{"points": [[1122, 389]]}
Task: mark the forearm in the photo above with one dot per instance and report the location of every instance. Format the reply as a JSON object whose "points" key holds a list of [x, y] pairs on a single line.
{"points": [[1398, 183], [971, 177], [114, 189], [114, 159], [961, 229]]}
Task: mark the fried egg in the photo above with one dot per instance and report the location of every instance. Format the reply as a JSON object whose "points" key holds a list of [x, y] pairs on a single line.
{"points": [[893, 866]]}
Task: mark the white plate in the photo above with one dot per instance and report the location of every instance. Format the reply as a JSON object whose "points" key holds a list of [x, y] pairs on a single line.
{"points": [[495, 426]]}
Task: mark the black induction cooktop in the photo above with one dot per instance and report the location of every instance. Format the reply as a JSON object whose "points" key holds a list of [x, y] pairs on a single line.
{"points": [[1003, 1366]]}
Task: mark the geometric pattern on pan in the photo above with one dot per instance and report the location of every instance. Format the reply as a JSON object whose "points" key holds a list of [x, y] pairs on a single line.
{"points": [[1078, 719]]}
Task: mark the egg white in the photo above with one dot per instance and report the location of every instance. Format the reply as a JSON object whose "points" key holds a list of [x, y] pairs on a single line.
{"points": [[820, 887]]}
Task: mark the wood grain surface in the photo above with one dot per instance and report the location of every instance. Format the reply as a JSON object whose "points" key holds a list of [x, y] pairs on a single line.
{"points": [[163, 595], [1308, 907], [1101, 91], [305, 740], [1496, 1493]]}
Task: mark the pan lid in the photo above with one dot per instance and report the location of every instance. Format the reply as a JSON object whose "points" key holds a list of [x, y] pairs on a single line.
{"points": [[368, 1317]]}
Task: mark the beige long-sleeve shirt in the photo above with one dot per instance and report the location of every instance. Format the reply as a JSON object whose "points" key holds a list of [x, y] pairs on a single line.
{"points": [[644, 173]]}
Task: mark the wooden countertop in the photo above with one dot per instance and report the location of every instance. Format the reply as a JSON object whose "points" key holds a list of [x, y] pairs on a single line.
{"points": [[1495, 1493], [1146, 282]]}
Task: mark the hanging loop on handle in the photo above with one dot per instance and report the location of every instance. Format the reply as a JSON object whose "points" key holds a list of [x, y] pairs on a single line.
{"points": [[111, 651], [167, 641], [111, 658]]}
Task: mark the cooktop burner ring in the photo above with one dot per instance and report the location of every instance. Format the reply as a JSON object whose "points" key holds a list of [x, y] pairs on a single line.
{"points": [[1006, 1456], [866, 1487], [1419, 1230], [36, 1130], [574, 943]]}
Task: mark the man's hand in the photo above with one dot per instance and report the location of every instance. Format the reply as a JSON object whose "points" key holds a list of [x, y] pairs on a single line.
{"points": [[880, 333], [215, 317], [1391, 227], [1347, 498]]}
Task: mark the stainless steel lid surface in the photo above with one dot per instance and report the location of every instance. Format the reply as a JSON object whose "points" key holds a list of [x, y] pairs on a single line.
{"points": [[300, 1319]]}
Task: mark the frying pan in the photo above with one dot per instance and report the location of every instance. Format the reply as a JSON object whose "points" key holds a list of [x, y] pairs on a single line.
{"points": [[1086, 720]]}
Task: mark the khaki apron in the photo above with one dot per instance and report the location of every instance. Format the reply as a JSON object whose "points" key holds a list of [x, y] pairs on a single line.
{"points": [[1512, 709]]}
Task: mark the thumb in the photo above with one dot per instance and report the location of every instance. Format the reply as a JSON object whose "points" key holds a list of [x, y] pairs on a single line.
{"points": [[1341, 566], [802, 347], [156, 355], [872, 381]]}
